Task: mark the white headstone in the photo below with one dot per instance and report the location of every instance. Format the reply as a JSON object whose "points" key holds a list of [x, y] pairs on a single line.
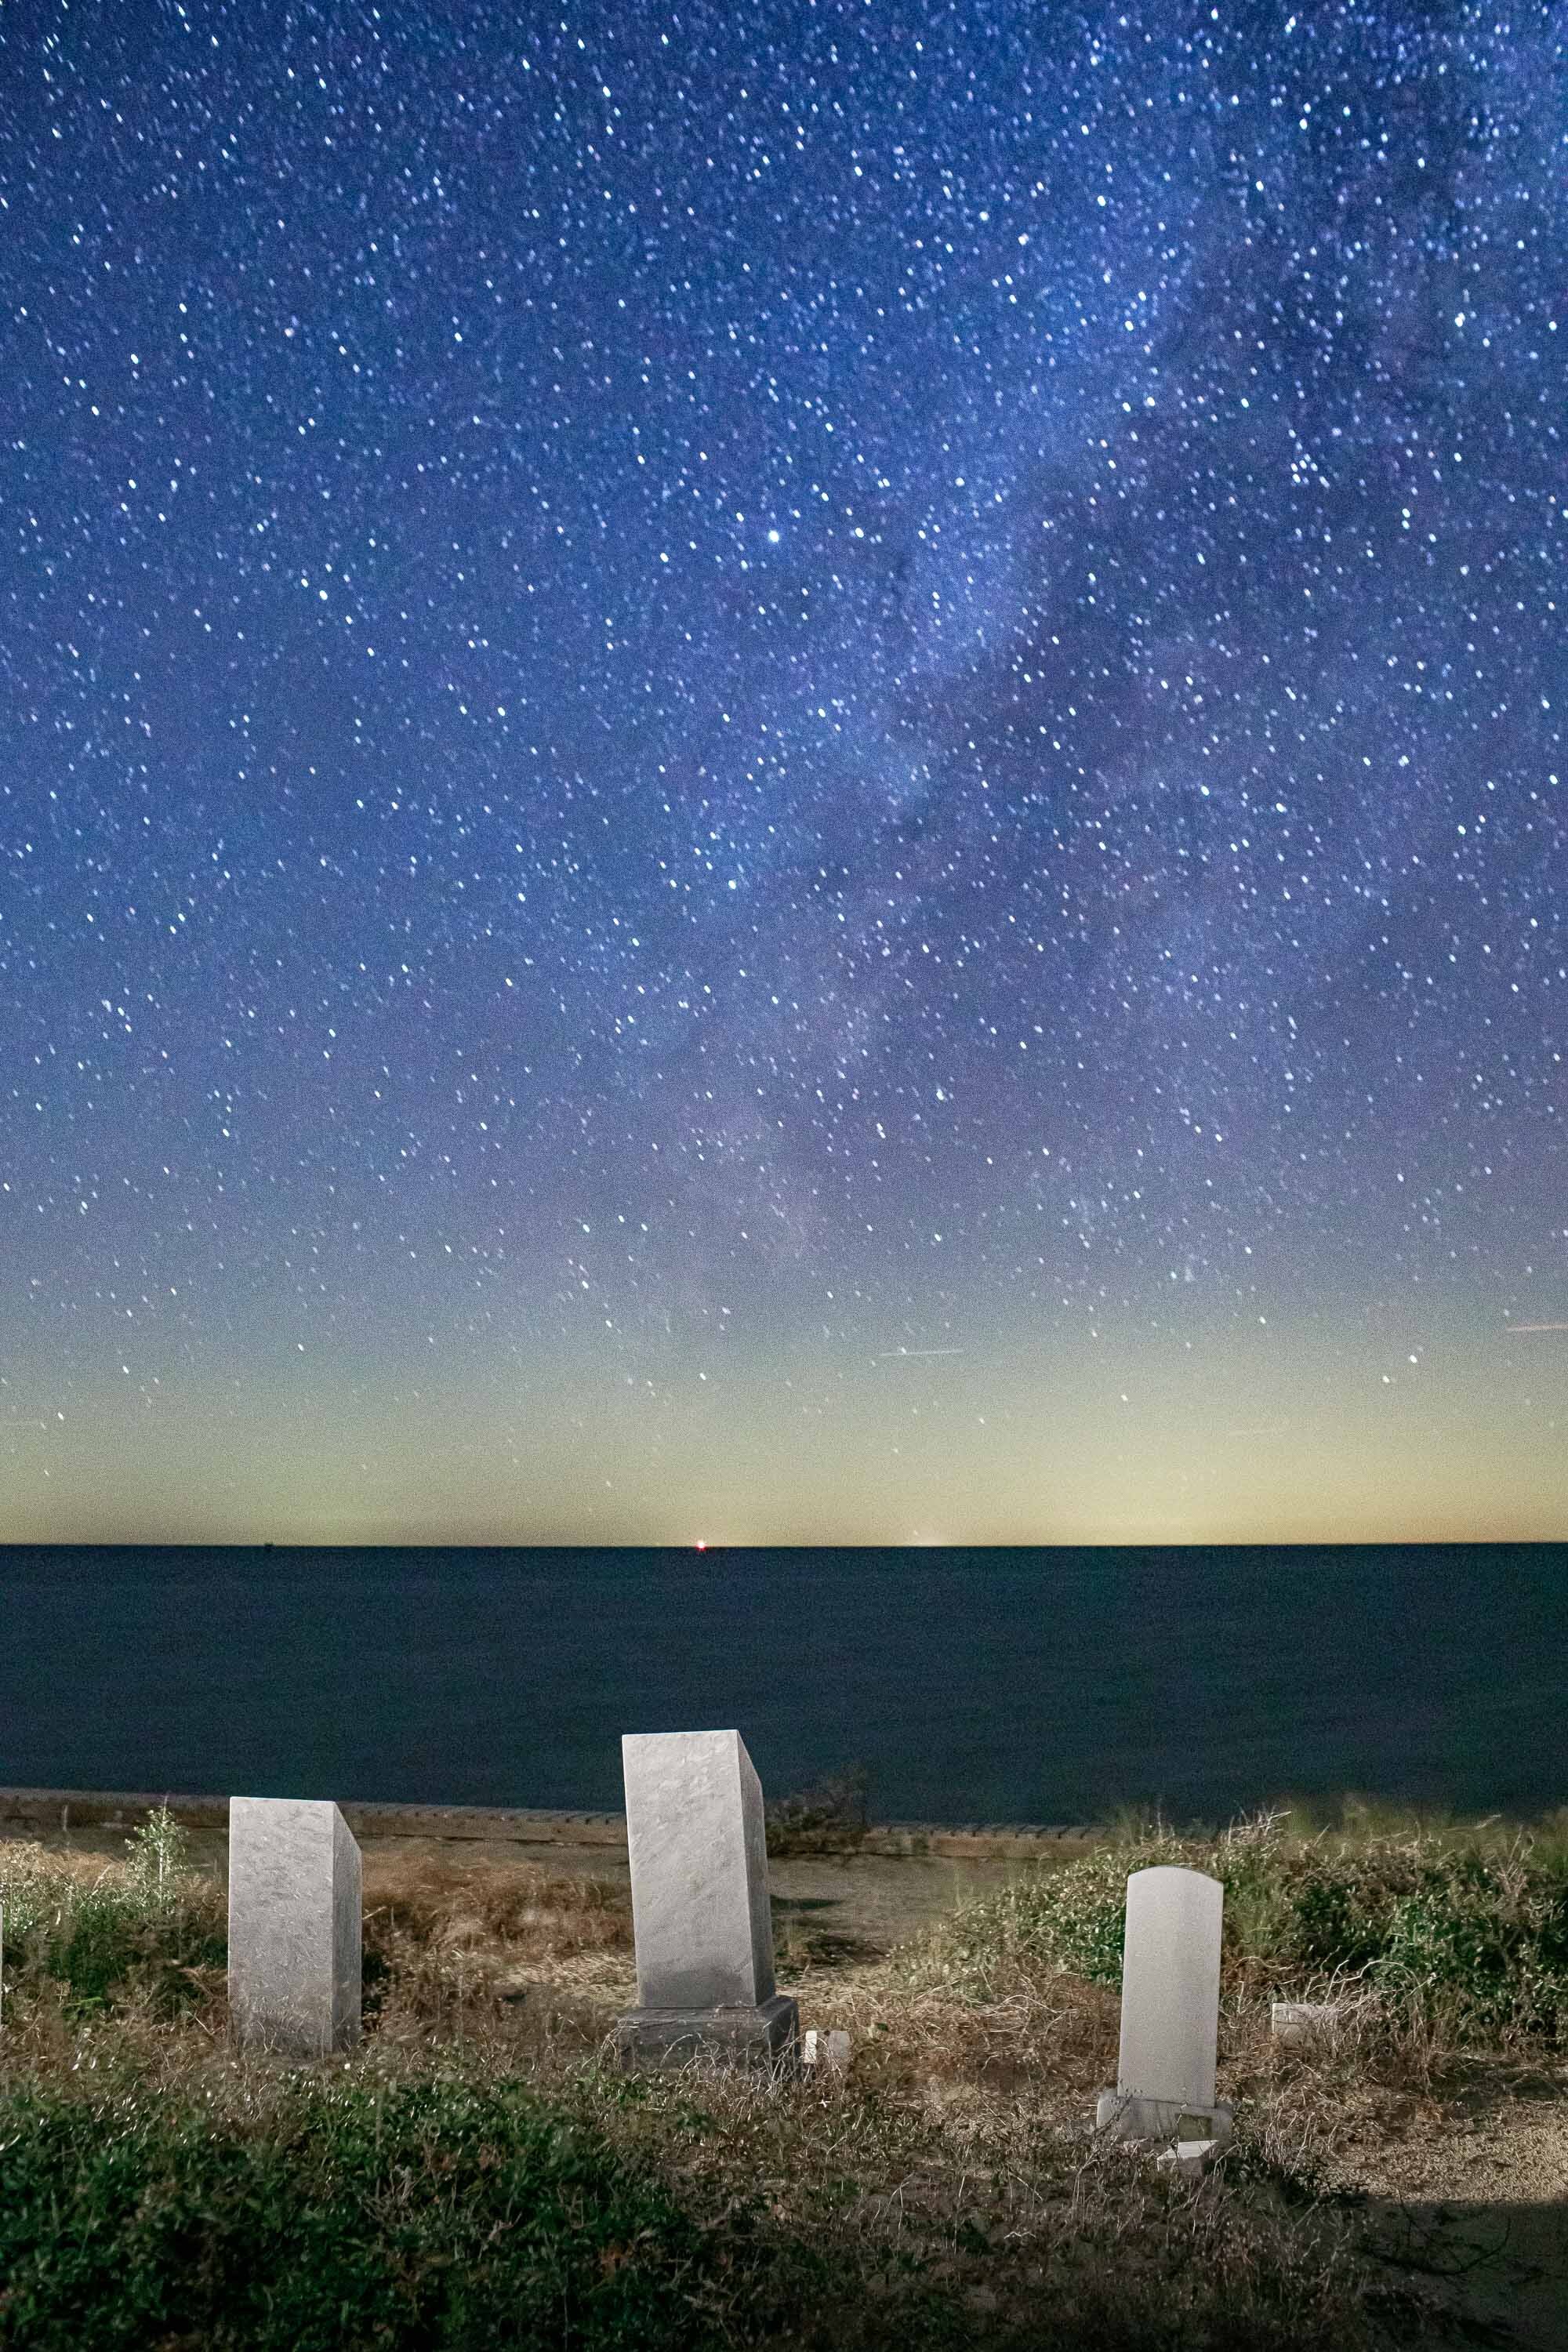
{"points": [[294, 1926], [698, 1848], [699, 1855], [1169, 2006]]}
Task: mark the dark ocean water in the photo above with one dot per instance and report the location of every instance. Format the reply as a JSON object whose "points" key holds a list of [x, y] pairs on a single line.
{"points": [[975, 1686]]}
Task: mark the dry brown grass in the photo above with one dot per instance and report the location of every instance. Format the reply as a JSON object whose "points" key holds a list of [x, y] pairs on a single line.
{"points": [[963, 2134], [443, 1938]]}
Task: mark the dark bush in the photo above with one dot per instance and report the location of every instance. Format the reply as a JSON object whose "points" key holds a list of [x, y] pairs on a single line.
{"points": [[435, 2214], [830, 1817]]}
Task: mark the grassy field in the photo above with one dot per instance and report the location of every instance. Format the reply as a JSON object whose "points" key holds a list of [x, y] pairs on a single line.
{"points": [[478, 2173]]}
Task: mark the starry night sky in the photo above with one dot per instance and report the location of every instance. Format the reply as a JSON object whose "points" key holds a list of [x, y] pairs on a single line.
{"points": [[783, 772]]}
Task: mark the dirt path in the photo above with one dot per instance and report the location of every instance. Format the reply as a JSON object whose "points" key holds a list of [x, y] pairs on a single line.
{"points": [[855, 1906]]}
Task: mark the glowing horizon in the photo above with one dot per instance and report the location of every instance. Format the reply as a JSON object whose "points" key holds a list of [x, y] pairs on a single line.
{"points": [[1230, 1442]]}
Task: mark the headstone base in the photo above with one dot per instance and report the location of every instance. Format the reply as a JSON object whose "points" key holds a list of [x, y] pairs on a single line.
{"points": [[764, 2037], [1124, 2115], [1190, 2157]]}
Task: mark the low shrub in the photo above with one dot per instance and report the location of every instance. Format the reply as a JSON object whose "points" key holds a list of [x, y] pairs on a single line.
{"points": [[830, 1817], [348, 2215], [1422, 1921]]}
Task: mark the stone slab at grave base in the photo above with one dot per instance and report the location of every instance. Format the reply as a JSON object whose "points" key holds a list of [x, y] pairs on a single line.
{"points": [[1190, 2157], [763, 2037], [1122, 2115]]}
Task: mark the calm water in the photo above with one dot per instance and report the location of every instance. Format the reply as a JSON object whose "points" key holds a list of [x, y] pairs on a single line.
{"points": [[976, 1686]]}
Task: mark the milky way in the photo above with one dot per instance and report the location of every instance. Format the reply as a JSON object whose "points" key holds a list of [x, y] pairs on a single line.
{"points": [[784, 773]]}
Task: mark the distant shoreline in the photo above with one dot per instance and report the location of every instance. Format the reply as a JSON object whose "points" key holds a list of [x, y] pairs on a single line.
{"points": [[25, 1811], [56, 1812]]}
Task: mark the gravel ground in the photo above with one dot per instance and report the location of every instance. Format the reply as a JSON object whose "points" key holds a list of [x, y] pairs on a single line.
{"points": [[1477, 2197]]}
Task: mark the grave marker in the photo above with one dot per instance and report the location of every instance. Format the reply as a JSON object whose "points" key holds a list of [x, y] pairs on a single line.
{"points": [[700, 1915], [1302, 2020], [1170, 2011], [294, 1926]]}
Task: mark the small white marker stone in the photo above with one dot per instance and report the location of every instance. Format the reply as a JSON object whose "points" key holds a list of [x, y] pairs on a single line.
{"points": [[1303, 2021]]}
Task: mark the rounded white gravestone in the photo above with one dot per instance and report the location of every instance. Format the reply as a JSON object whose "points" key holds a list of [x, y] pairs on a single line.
{"points": [[1170, 2011], [1170, 1987]]}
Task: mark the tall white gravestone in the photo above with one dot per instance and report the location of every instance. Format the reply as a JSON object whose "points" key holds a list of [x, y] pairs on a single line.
{"points": [[294, 1926], [698, 1848], [1170, 2011]]}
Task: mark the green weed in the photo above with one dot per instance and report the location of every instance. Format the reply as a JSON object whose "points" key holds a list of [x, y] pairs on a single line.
{"points": [[152, 1923]]}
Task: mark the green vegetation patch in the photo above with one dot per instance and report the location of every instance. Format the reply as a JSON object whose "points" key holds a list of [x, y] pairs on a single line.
{"points": [[408, 2215], [151, 1922], [1477, 1933]]}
